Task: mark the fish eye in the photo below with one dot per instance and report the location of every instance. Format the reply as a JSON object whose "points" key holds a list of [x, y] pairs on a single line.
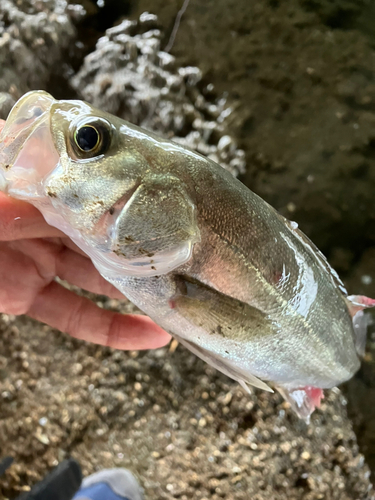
{"points": [[91, 138], [87, 138]]}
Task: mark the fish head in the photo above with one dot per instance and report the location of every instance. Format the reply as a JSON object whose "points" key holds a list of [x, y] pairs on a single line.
{"points": [[91, 176], [70, 152]]}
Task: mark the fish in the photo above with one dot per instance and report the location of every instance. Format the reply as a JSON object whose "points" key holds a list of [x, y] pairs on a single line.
{"points": [[198, 252]]}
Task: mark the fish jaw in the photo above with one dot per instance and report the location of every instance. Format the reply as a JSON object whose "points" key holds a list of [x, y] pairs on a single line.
{"points": [[27, 151]]}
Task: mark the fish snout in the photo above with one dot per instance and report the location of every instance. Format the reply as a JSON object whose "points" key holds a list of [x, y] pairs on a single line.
{"points": [[27, 151]]}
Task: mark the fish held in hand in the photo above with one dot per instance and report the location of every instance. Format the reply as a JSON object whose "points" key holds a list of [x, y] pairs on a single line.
{"points": [[208, 260]]}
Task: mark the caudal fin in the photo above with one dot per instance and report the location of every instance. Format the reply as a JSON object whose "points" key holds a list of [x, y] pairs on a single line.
{"points": [[356, 304]]}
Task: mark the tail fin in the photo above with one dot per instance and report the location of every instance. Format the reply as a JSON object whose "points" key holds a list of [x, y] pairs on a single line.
{"points": [[356, 304]]}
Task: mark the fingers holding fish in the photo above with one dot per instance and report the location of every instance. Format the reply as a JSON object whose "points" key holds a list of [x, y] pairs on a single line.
{"points": [[36, 253], [82, 319], [30, 289], [19, 286], [51, 257], [34, 266], [21, 220]]}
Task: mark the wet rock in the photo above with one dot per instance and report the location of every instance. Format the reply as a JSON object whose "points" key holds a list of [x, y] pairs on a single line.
{"points": [[361, 389]]}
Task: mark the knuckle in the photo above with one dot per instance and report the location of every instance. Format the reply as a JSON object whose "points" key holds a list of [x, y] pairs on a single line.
{"points": [[74, 321], [113, 331]]}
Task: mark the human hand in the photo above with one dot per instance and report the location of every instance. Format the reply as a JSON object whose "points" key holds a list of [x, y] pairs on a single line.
{"points": [[32, 254]]}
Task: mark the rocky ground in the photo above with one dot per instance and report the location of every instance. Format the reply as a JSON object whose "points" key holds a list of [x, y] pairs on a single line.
{"points": [[281, 93], [184, 429]]}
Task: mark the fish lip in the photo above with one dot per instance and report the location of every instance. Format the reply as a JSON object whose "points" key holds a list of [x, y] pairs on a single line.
{"points": [[33, 107], [20, 171]]}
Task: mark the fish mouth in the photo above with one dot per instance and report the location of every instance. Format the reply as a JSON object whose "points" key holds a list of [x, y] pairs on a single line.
{"points": [[27, 150]]}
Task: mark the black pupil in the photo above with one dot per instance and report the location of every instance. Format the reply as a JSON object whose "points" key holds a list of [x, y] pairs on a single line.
{"points": [[87, 138]]}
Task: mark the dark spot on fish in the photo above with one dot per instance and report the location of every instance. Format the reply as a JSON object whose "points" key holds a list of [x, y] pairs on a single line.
{"points": [[153, 268], [7, 166], [129, 239], [111, 211], [145, 252], [51, 194], [226, 352], [119, 253], [219, 330]]}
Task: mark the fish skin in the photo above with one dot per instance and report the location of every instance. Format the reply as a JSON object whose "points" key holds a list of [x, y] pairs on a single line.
{"points": [[201, 254]]}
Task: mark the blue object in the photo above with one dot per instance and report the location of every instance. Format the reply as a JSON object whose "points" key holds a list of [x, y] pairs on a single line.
{"points": [[98, 491]]}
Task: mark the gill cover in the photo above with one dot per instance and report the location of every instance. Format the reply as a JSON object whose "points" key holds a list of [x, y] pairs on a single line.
{"points": [[156, 230]]}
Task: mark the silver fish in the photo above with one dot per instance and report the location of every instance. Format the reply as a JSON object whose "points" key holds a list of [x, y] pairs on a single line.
{"points": [[203, 256]]}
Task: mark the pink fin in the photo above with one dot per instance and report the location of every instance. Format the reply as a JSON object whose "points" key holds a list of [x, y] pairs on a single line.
{"points": [[356, 304], [303, 400]]}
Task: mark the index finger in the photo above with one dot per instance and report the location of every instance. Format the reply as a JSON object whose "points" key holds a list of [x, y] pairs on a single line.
{"points": [[19, 220], [81, 318]]}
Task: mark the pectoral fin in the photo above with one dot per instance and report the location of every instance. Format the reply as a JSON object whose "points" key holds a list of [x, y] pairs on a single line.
{"points": [[157, 228], [219, 314], [224, 317]]}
